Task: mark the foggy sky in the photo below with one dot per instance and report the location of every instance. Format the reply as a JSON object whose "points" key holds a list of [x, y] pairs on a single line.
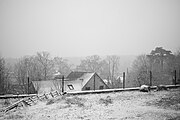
{"points": [[86, 27]]}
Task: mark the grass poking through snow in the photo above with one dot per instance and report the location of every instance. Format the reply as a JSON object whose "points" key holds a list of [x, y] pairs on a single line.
{"points": [[171, 100], [68, 100]]}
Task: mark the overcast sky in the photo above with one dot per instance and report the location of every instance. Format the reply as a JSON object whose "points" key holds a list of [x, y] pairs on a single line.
{"points": [[86, 27]]}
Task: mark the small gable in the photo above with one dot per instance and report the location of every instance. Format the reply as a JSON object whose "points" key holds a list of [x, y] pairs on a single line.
{"points": [[95, 83]]}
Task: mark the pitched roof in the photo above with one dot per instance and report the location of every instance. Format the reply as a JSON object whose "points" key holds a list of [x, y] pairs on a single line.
{"points": [[75, 75], [45, 86], [86, 77]]}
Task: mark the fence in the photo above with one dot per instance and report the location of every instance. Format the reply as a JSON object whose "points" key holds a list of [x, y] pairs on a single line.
{"points": [[30, 100], [152, 78]]}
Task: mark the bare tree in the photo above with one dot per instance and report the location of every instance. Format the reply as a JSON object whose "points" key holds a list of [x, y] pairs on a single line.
{"points": [[21, 72], [140, 70], [107, 68], [34, 69], [61, 65], [27, 66], [177, 58], [104, 69], [91, 63], [113, 63], [2, 76], [46, 63], [57, 84]]}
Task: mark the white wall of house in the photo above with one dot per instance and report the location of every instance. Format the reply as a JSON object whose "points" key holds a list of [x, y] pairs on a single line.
{"points": [[99, 83]]}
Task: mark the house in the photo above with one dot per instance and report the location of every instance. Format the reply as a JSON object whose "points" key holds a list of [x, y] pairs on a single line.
{"points": [[46, 86], [80, 81], [75, 81]]}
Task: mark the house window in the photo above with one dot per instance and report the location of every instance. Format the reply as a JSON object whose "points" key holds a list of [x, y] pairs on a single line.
{"points": [[101, 87], [87, 88], [70, 87]]}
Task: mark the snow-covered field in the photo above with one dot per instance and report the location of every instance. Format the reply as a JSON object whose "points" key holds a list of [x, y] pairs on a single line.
{"points": [[134, 105]]}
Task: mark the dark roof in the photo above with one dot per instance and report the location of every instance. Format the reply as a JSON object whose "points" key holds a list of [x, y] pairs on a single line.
{"points": [[75, 75], [58, 76]]}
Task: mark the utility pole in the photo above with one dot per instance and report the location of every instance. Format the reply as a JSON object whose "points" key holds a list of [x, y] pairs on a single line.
{"points": [[62, 84], [28, 84], [123, 80], [150, 80], [174, 77], [94, 81], [179, 75]]}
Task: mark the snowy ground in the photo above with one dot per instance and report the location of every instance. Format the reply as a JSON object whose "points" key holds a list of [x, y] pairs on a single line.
{"points": [[161, 105]]}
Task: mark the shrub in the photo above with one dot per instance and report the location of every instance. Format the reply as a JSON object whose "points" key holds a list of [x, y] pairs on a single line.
{"points": [[49, 102], [75, 101], [161, 87], [14, 117], [106, 101]]}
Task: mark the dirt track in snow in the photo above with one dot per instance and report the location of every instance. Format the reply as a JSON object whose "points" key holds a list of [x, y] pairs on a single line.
{"points": [[161, 105]]}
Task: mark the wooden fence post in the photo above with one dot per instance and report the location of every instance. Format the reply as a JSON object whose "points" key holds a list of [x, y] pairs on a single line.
{"points": [[57, 93], [51, 94], [45, 96], [28, 85]]}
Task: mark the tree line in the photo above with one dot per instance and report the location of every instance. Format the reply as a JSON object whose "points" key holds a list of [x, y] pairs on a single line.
{"points": [[161, 62], [42, 66]]}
